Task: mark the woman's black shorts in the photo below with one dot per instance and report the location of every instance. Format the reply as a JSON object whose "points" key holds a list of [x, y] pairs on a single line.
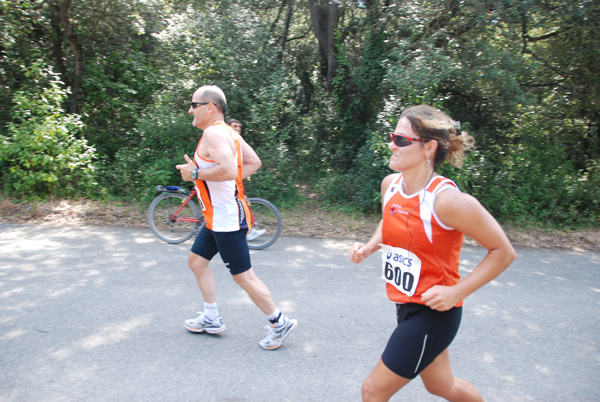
{"points": [[421, 335]]}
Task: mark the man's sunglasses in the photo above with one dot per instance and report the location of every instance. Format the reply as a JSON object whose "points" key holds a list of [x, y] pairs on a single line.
{"points": [[196, 104], [401, 140]]}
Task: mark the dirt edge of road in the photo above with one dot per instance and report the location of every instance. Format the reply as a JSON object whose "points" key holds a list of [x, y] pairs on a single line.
{"points": [[307, 221]]}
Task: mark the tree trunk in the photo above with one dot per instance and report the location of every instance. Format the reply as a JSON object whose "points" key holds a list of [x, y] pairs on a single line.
{"points": [[324, 16], [63, 30]]}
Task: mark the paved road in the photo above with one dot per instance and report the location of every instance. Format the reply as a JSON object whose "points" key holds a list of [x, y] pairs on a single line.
{"points": [[92, 313]]}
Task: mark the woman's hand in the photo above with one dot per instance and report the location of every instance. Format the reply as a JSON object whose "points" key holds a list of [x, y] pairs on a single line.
{"points": [[358, 252], [441, 298], [464, 213]]}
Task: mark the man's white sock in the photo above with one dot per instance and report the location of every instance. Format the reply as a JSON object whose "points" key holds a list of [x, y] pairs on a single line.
{"points": [[210, 311]]}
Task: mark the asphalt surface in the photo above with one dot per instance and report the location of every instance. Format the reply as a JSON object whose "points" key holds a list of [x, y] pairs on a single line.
{"points": [[96, 313]]}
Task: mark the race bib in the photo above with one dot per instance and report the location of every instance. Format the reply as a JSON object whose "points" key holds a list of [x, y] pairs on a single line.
{"points": [[401, 269], [202, 206]]}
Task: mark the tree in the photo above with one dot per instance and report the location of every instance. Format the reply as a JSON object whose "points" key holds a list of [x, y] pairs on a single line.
{"points": [[325, 16], [63, 31]]}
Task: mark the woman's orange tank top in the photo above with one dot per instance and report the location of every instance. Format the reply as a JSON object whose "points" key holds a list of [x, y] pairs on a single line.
{"points": [[410, 223]]}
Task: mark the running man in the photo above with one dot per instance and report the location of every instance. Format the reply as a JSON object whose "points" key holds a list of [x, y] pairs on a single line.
{"points": [[221, 162]]}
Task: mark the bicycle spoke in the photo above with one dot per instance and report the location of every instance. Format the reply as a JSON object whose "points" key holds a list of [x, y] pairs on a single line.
{"points": [[170, 220], [266, 224]]}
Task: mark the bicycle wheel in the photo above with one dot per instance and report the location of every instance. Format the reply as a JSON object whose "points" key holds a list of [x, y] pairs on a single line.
{"points": [[265, 218], [168, 227]]}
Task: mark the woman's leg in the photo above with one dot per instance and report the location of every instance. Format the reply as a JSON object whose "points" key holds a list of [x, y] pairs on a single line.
{"points": [[439, 380], [382, 384]]}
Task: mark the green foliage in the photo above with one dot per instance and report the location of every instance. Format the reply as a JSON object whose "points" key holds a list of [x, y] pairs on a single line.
{"points": [[535, 180], [360, 188], [118, 86], [521, 76], [41, 155], [165, 136], [270, 135]]}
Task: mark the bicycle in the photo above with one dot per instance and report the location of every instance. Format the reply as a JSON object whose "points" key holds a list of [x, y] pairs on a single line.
{"points": [[174, 218]]}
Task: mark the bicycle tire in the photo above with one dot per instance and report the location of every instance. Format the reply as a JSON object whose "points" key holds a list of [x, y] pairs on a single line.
{"points": [[265, 217], [168, 230]]}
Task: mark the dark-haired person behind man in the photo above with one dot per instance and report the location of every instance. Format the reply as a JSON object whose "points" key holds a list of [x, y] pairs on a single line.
{"points": [[221, 161], [252, 233], [236, 125]]}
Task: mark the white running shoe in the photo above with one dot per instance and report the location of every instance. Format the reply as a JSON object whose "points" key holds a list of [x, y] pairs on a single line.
{"points": [[201, 324], [254, 234], [276, 335]]}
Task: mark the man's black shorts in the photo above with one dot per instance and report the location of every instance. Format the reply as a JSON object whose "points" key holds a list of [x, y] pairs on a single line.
{"points": [[232, 246]]}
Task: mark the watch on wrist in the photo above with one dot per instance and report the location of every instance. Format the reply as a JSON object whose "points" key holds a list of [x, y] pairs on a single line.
{"points": [[195, 174]]}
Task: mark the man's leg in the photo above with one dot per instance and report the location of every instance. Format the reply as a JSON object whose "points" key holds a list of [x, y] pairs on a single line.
{"points": [[281, 325], [257, 290], [205, 322], [204, 277], [233, 248]]}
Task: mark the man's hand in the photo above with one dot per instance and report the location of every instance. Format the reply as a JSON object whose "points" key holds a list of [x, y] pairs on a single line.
{"points": [[187, 169]]}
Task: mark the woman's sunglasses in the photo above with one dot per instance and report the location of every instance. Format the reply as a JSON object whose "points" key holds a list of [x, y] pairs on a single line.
{"points": [[401, 140]]}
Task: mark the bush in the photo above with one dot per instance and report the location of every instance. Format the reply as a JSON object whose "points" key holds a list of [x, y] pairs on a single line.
{"points": [[534, 179], [41, 155], [274, 115], [163, 136], [360, 187]]}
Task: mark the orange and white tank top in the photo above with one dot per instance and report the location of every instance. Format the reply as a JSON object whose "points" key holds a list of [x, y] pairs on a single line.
{"points": [[419, 251], [223, 202]]}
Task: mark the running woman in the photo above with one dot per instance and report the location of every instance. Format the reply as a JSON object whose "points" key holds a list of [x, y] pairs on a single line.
{"points": [[424, 219]]}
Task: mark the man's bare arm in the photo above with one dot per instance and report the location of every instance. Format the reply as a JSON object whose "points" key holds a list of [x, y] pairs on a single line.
{"points": [[250, 160], [219, 150]]}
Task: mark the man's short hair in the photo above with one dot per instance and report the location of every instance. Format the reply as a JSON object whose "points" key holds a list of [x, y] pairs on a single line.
{"points": [[214, 95]]}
